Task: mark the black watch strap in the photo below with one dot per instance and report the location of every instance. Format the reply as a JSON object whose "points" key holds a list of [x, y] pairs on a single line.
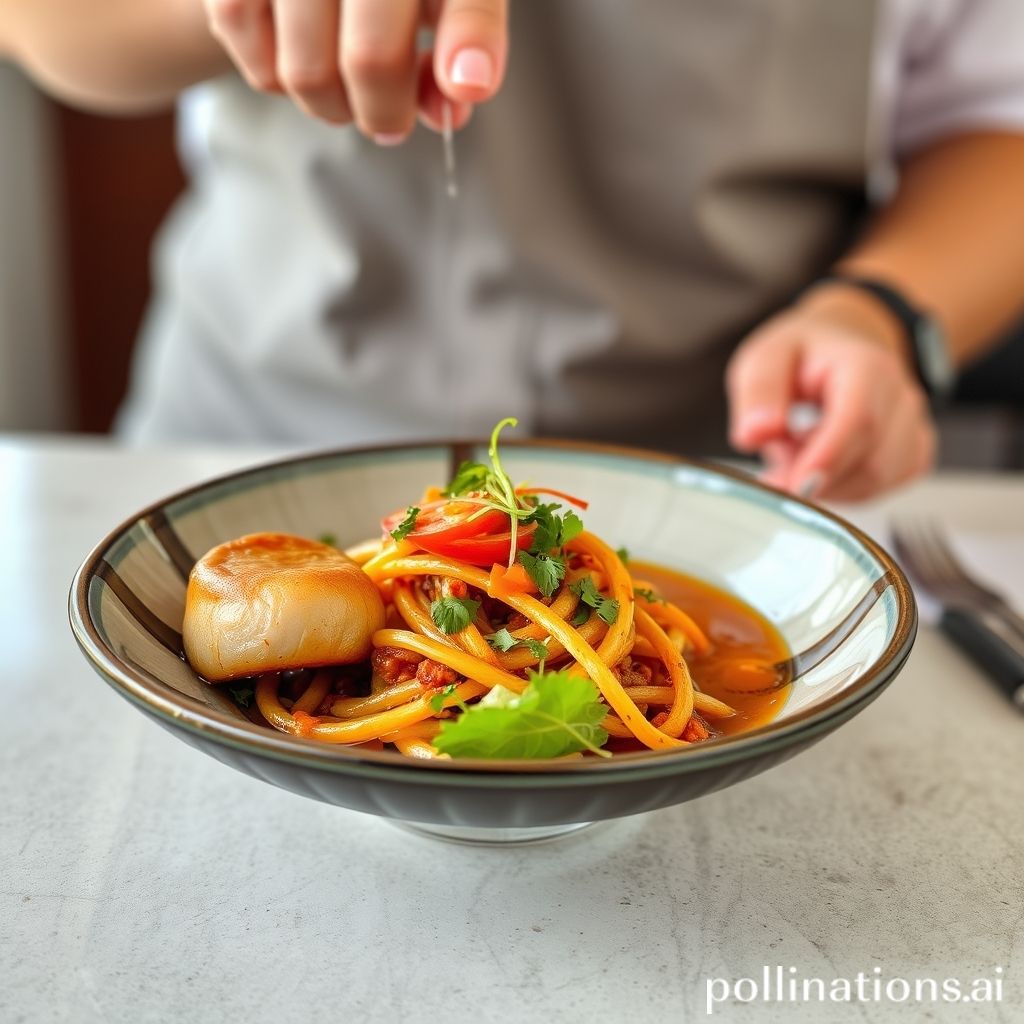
{"points": [[924, 337]]}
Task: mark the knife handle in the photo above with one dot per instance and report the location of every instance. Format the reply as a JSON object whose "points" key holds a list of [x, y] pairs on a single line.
{"points": [[992, 644]]}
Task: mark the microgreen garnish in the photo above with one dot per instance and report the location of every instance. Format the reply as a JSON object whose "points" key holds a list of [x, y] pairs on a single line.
{"points": [[607, 608], [557, 714], [453, 614], [328, 538], [242, 695], [407, 525], [649, 595], [623, 554], [546, 571], [491, 488], [470, 476]]}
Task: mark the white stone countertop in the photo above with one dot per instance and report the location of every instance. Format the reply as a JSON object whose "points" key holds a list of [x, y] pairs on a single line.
{"points": [[142, 881]]}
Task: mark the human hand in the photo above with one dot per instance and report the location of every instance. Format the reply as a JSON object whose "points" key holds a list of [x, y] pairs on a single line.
{"points": [[357, 61], [842, 351]]}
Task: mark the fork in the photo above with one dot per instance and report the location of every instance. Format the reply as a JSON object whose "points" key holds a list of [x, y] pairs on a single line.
{"points": [[976, 617]]}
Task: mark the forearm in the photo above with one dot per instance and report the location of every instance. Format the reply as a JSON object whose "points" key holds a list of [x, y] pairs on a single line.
{"points": [[952, 239], [111, 55]]}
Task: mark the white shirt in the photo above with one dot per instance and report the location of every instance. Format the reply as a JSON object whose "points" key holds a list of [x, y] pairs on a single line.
{"points": [[943, 67]]}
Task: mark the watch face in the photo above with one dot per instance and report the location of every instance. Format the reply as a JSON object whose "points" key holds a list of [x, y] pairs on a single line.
{"points": [[933, 356]]}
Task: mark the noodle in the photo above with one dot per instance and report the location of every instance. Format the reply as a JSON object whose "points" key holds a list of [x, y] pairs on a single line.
{"points": [[359, 730], [402, 714], [317, 690], [558, 602]]}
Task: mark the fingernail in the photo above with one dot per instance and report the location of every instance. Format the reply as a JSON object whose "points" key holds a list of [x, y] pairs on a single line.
{"points": [[474, 68], [811, 485], [390, 138]]}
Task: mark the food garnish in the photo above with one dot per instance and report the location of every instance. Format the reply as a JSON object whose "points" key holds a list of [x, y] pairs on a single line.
{"points": [[557, 714], [483, 622]]}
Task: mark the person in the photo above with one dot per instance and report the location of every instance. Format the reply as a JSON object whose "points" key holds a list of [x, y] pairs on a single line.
{"points": [[663, 206]]}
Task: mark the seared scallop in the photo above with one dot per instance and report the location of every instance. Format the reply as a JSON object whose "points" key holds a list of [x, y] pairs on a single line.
{"points": [[270, 601]]}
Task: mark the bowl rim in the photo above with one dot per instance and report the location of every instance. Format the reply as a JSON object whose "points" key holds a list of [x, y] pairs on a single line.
{"points": [[175, 709]]}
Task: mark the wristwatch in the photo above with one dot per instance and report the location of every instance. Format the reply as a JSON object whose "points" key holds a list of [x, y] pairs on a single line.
{"points": [[932, 361]]}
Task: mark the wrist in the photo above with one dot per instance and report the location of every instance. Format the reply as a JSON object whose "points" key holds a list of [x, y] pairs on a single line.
{"points": [[850, 307]]}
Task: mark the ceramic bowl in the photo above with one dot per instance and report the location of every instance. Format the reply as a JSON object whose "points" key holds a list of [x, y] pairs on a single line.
{"points": [[840, 601]]}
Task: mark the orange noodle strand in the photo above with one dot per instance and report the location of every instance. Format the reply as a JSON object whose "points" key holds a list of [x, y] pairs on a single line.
{"points": [[617, 640], [667, 614], [383, 700], [417, 748], [358, 730], [319, 687], [463, 663], [682, 702]]}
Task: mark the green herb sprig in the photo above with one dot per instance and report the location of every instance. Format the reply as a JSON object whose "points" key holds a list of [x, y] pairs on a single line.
{"points": [[490, 487], [607, 608], [557, 714], [453, 614], [407, 525], [504, 641]]}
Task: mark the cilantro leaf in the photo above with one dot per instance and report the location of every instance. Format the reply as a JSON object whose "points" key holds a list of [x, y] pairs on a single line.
{"points": [[554, 531], [535, 647], [572, 527], [329, 539], [437, 701], [581, 616], [556, 714], [546, 535], [649, 595], [586, 591], [407, 525], [242, 695], [607, 608], [547, 571], [623, 554], [470, 476], [453, 614], [502, 640]]}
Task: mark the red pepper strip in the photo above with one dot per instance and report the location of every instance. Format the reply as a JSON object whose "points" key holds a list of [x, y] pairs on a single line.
{"points": [[578, 502]]}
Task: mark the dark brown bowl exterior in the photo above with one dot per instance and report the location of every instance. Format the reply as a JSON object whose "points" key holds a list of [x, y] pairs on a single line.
{"points": [[500, 801]]}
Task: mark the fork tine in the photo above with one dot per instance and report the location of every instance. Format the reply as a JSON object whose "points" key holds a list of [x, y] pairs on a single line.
{"points": [[923, 547], [908, 551], [944, 553], [938, 554], [922, 557]]}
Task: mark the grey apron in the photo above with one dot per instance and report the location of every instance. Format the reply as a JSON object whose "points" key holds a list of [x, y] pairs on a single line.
{"points": [[653, 179]]}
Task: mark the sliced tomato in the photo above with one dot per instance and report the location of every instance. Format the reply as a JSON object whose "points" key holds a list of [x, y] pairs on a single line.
{"points": [[446, 528], [578, 502], [448, 519], [484, 550]]}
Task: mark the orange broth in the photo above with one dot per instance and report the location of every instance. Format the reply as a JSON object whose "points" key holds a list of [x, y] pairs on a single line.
{"points": [[742, 667]]}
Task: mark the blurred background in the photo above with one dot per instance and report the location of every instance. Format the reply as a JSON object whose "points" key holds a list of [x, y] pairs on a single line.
{"points": [[80, 200]]}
